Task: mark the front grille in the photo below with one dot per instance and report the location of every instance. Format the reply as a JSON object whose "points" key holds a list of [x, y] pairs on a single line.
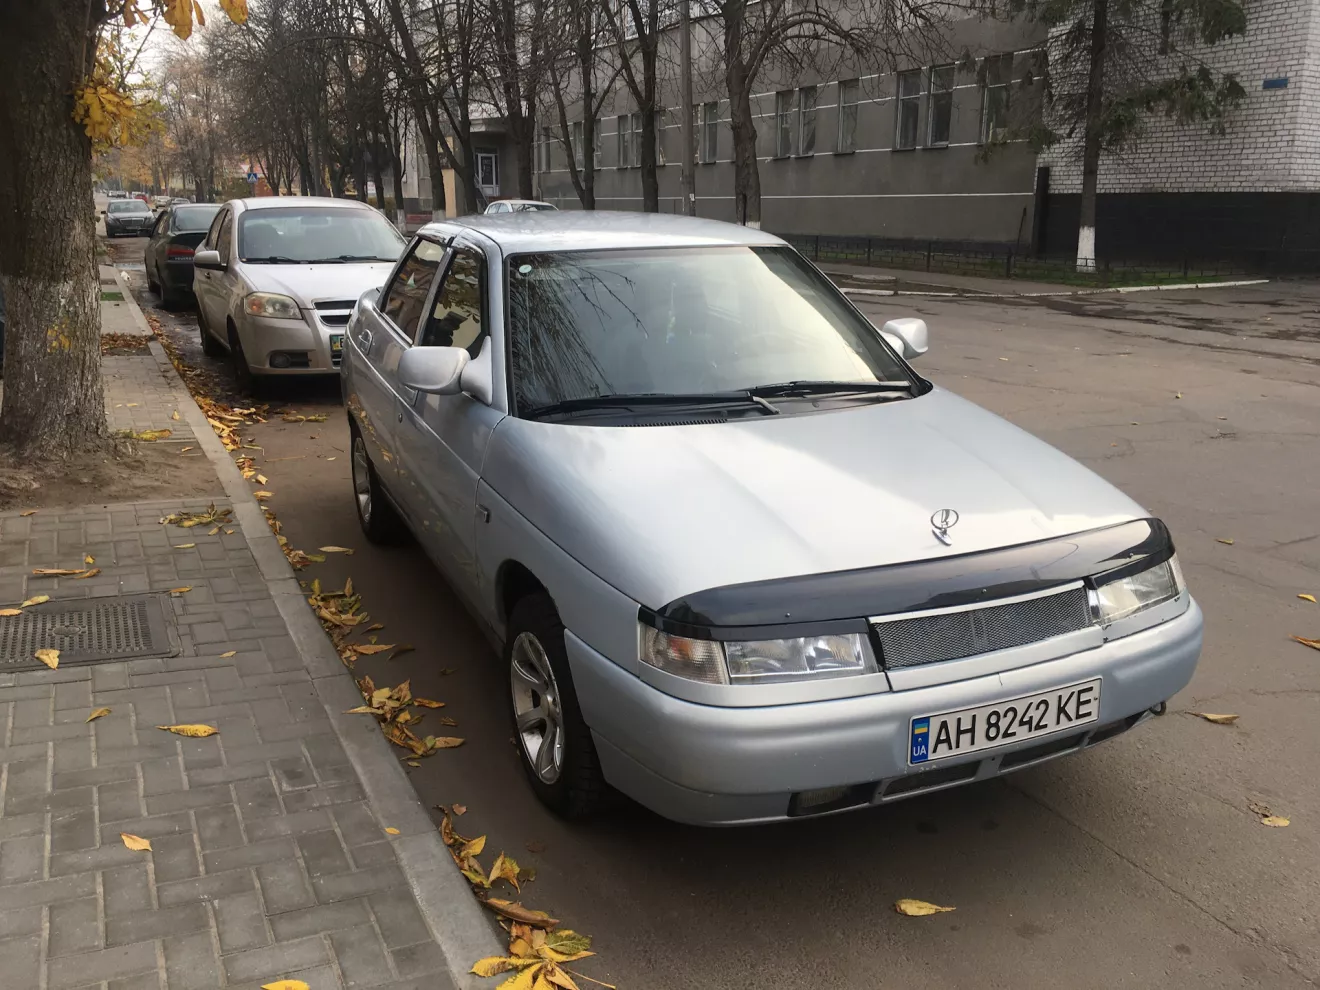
{"points": [[926, 639], [335, 304], [85, 631], [334, 319]]}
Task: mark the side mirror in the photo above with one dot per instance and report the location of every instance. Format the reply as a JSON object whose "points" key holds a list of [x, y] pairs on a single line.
{"points": [[908, 336], [103, 213], [210, 260], [435, 370]]}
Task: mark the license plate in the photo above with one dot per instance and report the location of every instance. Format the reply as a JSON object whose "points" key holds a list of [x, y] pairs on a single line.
{"points": [[336, 343], [938, 737]]}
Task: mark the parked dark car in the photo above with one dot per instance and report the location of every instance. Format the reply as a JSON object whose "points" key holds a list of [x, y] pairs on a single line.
{"points": [[169, 255], [127, 216]]}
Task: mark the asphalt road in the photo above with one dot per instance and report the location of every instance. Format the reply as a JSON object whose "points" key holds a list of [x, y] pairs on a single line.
{"points": [[1137, 864]]}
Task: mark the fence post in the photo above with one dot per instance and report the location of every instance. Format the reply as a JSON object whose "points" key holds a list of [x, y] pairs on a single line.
{"points": [[868, 250], [1186, 266], [1008, 265], [929, 245]]}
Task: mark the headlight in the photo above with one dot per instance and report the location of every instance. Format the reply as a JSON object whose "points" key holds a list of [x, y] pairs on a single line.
{"points": [[1138, 592], [272, 304], [767, 661]]}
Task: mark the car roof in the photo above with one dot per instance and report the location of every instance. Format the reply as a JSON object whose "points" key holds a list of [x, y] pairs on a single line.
{"points": [[267, 202], [586, 230]]}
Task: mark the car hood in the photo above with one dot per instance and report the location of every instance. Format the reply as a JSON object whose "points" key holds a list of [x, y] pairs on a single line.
{"points": [[664, 512], [310, 283]]}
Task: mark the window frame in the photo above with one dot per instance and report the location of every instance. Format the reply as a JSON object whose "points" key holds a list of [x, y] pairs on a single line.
{"points": [[576, 138], [383, 301], [945, 96], [855, 86], [903, 103], [785, 108], [1001, 66], [803, 116], [659, 126], [708, 149]]}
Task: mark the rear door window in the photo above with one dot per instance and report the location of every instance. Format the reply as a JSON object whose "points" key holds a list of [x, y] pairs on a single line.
{"points": [[458, 318], [411, 285]]}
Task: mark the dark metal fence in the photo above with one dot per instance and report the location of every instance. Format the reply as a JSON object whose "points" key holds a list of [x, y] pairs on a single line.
{"points": [[1006, 261]]}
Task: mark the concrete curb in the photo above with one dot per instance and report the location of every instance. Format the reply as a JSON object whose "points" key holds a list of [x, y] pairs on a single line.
{"points": [[973, 294], [463, 931]]}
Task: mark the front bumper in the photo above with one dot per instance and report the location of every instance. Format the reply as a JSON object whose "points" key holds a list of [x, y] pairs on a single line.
{"points": [[262, 338], [711, 765]]}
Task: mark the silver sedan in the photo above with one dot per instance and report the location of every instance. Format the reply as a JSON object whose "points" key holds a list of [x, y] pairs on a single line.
{"points": [[276, 278], [742, 562]]}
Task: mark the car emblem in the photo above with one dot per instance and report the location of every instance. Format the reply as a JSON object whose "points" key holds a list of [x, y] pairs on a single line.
{"points": [[941, 521]]}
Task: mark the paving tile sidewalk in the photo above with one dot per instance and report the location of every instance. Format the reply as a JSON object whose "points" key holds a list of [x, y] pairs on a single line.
{"points": [[269, 854]]}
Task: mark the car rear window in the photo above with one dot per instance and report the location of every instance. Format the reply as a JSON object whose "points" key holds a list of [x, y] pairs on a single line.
{"points": [[195, 217]]}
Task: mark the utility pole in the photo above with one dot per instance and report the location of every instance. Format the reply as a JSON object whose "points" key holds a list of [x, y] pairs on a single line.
{"points": [[685, 114]]}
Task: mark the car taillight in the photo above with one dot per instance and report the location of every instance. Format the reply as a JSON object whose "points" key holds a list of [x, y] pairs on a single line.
{"points": [[176, 251]]}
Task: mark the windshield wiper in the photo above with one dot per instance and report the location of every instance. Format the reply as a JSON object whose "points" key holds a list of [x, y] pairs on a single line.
{"points": [[274, 259], [827, 388], [626, 400], [357, 257]]}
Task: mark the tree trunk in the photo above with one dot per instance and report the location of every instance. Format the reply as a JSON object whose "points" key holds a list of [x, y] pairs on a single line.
{"points": [[746, 176], [1095, 94], [53, 404]]}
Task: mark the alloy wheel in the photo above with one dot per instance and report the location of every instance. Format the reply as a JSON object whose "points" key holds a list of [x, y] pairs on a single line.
{"points": [[362, 478], [536, 708]]}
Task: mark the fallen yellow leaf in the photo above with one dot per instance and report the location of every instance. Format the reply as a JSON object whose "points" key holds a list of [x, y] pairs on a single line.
{"points": [[89, 560], [370, 648], [55, 571], [1177, 395], [1312, 643], [1227, 543], [391, 831], [224, 656], [184, 546], [51, 658], [524, 915], [179, 591], [285, 985], [412, 763], [445, 742], [195, 731], [460, 809], [428, 703], [1275, 821], [174, 415], [262, 495], [334, 549], [184, 450], [919, 909], [83, 575], [11, 611], [99, 713], [261, 479], [494, 966], [36, 600], [29, 512], [1217, 719], [136, 842], [1309, 598]]}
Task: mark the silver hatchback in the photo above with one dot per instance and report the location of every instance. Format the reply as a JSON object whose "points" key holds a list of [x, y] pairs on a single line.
{"points": [[741, 561]]}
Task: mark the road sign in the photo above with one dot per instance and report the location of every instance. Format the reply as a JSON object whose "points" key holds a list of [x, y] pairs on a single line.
{"points": [[252, 177]]}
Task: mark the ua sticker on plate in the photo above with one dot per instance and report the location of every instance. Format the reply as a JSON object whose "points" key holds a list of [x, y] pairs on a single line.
{"points": [[920, 740]]}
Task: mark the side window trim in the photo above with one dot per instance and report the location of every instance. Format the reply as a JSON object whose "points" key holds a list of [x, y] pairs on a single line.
{"points": [[441, 275], [456, 244]]}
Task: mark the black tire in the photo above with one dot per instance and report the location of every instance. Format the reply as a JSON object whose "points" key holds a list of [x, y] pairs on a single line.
{"points": [[577, 789], [210, 346], [380, 523], [248, 382]]}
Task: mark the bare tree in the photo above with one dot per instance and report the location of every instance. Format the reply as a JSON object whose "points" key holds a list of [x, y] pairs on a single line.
{"points": [[578, 65], [636, 31]]}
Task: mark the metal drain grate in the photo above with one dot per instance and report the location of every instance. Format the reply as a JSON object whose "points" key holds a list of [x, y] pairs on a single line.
{"points": [[88, 630]]}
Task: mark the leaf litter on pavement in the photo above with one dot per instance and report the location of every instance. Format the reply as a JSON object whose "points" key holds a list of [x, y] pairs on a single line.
{"points": [[1268, 817]]}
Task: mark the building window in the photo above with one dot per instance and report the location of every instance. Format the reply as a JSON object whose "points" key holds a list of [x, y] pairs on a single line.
{"points": [[909, 108], [710, 132], [807, 120], [995, 98], [624, 135], [939, 110], [848, 89], [543, 151], [784, 107], [660, 138], [596, 145], [575, 139]]}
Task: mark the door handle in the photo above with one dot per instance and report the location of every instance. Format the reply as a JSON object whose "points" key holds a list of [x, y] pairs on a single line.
{"points": [[362, 334]]}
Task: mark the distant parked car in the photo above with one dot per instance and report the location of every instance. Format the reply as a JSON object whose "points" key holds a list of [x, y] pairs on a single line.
{"points": [[277, 277], [169, 255], [116, 194], [180, 200], [519, 206], [127, 216]]}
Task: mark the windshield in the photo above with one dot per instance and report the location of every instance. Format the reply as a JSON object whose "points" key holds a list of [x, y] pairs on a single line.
{"points": [[194, 218], [682, 321], [128, 206], [530, 207], [309, 233]]}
